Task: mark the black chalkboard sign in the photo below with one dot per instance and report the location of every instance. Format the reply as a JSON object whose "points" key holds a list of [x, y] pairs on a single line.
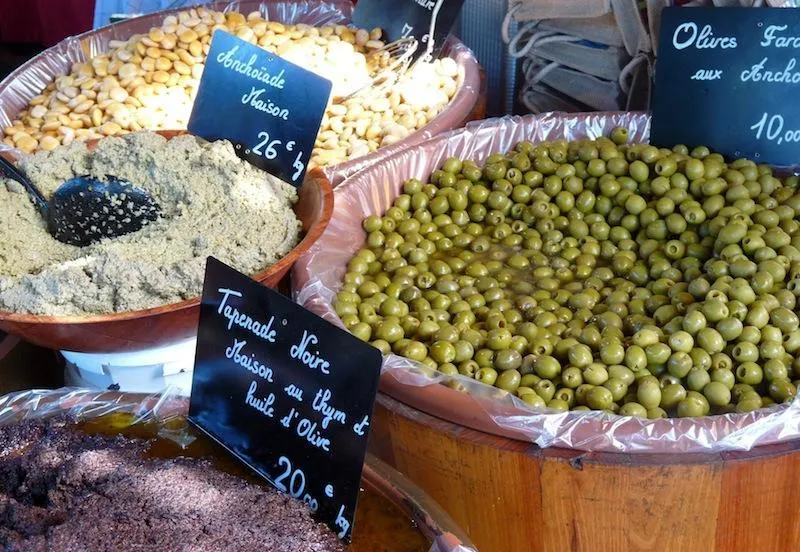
{"points": [[288, 393], [404, 18], [269, 108], [729, 78]]}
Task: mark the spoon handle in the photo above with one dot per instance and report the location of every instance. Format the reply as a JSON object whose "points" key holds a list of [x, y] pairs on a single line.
{"points": [[8, 168]]}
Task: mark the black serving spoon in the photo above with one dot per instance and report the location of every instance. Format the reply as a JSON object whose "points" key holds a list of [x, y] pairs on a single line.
{"points": [[84, 210]]}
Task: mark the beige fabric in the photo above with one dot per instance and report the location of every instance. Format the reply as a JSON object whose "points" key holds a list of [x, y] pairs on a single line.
{"points": [[534, 10], [597, 94], [603, 30], [654, 8], [738, 3], [604, 63], [625, 12], [540, 98], [634, 33]]}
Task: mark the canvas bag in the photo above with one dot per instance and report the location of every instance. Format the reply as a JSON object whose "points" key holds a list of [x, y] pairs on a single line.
{"points": [[540, 98], [598, 94], [603, 61], [603, 29], [625, 13], [551, 43]]}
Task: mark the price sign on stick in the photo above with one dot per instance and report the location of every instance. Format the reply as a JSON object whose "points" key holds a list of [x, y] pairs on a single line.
{"points": [[729, 78], [403, 18], [269, 108], [288, 393]]}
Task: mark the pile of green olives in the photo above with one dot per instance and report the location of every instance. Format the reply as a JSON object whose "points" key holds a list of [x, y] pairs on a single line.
{"points": [[591, 275]]}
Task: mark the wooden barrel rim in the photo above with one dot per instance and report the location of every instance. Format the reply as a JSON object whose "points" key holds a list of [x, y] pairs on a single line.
{"points": [[462, 433]]}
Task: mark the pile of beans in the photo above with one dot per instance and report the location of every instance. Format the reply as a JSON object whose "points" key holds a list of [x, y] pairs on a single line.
{"points": [[150, 81], [591, 275]]}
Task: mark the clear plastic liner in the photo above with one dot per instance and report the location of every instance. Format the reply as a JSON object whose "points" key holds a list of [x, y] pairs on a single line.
{"points": [[166, 408], [317, 276], [90, 403], [28, 81]]}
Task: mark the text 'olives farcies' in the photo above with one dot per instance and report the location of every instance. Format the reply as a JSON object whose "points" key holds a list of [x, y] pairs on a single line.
{"points": [[592, 274]]}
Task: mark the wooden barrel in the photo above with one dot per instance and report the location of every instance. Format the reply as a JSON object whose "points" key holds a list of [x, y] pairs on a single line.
{"points": [[512, 496]]}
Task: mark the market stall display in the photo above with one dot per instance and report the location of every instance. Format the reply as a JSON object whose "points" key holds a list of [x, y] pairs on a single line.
{"points": [[95, 442], [161, 304], [564, 365], [143, 74], [588, 341]]}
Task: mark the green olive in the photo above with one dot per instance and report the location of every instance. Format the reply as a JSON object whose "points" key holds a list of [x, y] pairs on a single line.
{"points": [[599, 398], [672, 394], [717, 394], [648, 392], [693, 405], [362, 330], [486, 375], [617, 387], [595, 374], [635, 358], [545, 389], [572, 377], [389, 332], [499, 339], [656, 413], [697, 379], [443, 351], [558, 405], [580, 355], [633, 409], [415, 350], [508, 380], [681, 341], [470, 368], [679, 364], [621, 373], [507, 359], [724, 376], [547, 367], [710, 340], [782, 389]]}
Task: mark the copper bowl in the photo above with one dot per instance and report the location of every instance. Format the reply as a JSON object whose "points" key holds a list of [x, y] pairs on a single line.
{"points": [[160, 326]]}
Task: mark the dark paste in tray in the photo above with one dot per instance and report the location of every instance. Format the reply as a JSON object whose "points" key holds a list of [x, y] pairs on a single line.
{"points": [[103, 485], [65, 490]]}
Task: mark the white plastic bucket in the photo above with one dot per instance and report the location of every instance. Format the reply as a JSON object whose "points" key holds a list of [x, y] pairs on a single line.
{"points": [[148, 371]]}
